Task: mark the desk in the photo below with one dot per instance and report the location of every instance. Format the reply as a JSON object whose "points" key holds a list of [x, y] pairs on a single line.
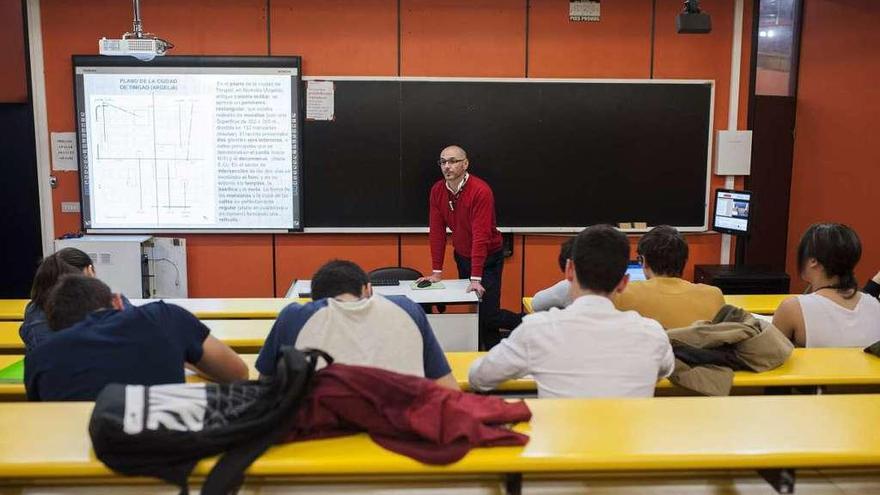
{"points": [[12, 309], [48, 443], [762, 304], [805, 367], [203, 308], [240, 335], [454, 331]]}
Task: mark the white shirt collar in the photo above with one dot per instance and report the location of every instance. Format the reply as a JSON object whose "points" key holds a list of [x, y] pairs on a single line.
{"points": [[590, 300], [460, 184]]}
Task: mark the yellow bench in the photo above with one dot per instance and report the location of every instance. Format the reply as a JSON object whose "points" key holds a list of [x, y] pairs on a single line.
{"points": [[762, 304], [805, 367], [48, 443]]}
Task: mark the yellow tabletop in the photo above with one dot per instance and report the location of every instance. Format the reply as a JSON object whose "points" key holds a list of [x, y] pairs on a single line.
{"points": [[805, 367], [204, 308], [241, 335], [46, 441], [762, 304], [12, 309]]}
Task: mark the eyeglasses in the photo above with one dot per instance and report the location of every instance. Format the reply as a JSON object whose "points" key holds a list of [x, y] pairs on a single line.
{"points": [[451, 161]]}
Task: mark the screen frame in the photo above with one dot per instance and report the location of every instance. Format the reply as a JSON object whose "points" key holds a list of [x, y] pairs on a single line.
{"points": [[725, 230], [224, 61]]}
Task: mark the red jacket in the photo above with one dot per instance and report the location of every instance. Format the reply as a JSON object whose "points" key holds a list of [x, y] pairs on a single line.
{"points": [[472, 221], [406, 414]]}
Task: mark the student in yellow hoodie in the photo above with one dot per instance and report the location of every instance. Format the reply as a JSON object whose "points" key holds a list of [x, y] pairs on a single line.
{"points": [[665, 296]]}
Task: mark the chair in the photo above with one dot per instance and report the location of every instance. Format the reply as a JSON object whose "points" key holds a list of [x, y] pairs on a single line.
{"points": [[394, 272]]}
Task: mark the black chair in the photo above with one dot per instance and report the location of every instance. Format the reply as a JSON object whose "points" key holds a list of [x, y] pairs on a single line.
{"points": [[395, 273], [403, 273]]}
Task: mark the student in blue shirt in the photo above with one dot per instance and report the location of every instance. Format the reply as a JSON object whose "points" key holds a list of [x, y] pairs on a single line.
{"points": [[357, 327], [34, 328], [97, 342]]}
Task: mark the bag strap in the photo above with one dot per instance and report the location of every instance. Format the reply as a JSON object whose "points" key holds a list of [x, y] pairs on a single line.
{"points": [[228, 474]]}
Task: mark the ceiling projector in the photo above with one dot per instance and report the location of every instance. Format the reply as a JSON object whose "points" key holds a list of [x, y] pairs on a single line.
{"points": [[693, 21]]}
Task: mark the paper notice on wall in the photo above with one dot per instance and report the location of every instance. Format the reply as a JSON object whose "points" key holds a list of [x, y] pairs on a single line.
{"points": [[64, 151], [583, 10], [319, 100]]}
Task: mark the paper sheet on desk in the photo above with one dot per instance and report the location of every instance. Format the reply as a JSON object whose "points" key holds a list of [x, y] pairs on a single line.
{"points": [[435, 285], [767, 318]]}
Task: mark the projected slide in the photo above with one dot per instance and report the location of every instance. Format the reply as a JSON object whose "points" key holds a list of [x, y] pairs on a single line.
{"points": [[189, 148]]}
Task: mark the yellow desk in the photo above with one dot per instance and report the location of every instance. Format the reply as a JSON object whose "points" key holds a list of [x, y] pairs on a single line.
{"points": [[241, 335], [762, 304], [805, 367], [204, 308], [12, 309], [49, 443]]}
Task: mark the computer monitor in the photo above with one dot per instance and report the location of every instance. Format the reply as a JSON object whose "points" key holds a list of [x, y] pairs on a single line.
{"points": [[635, 272], [733, 210]]}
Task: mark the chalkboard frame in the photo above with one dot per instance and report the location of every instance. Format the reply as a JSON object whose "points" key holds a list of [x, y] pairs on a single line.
{"points": [[533, 229]]}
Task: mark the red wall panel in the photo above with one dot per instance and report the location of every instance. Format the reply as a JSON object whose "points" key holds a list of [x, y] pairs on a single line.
{"points": [[338, 37], [13, 77], [836, 158]]}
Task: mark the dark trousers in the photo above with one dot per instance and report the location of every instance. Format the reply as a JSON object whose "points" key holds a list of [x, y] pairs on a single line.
{"points": [[492, 317]]}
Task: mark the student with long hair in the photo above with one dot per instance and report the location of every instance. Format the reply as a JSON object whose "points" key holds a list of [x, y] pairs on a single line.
{"points": [[34, 328], [833, 313]]}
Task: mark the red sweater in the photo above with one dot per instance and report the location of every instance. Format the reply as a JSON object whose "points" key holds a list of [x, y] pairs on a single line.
{"points": [[409, 415], [472, 221]]}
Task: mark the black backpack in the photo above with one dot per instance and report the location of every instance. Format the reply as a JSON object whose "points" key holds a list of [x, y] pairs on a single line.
{"points": [[165, 430]]}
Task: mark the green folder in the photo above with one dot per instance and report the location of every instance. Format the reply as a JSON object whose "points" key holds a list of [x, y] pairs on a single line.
{"points": [[14, 373]]}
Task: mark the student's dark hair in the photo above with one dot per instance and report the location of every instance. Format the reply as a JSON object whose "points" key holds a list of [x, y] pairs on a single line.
{"points": [[338, 277], [837, 248], [65, 261], [664, 250], [565, 252], [73, 298], [600, 254]]}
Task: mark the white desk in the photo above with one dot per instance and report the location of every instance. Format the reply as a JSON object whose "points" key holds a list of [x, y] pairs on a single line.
{"points": [[454, 331]]}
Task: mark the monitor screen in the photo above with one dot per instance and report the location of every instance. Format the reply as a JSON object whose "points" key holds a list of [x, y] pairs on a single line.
{"points": [[732, 211], [183, 144], [635, 272]]}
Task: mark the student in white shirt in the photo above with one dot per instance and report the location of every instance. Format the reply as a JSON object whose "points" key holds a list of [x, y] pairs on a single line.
{"points": [[833, 313], [589, 349], [557, 295]]}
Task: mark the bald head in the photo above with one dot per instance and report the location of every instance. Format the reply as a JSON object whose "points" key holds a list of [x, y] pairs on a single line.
{"points": [[454, 151]]}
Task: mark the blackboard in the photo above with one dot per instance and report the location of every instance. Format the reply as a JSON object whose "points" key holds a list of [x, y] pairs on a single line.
{"points": [[557, 153]]}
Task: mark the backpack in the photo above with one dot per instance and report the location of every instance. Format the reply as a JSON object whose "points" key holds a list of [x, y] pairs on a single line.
{"points": [[165, 430]]}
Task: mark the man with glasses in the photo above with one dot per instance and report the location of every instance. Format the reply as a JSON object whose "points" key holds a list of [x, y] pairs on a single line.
{"points": [[465, 204]]}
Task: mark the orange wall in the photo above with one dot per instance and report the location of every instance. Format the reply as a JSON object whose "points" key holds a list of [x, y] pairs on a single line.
{"points": [[480, 38], [836, 159], [13, 76]]}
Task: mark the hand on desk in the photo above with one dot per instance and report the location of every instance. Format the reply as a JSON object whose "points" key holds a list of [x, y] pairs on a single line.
{"points": [[433, 278], [476, 286]]}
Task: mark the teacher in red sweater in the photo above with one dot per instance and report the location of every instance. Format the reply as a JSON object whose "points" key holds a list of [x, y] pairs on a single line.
{"points": [[465, 203]]}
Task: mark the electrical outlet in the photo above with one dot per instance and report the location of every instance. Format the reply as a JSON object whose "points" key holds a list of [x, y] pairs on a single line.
{"points": [[69, 207]]}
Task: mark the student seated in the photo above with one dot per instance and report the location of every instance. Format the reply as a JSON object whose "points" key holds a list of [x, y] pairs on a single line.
{"points": [[834, 313], [665, 296], [97, 342], [557, 295], [589, 349], [34, 328], [346, 320]]}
